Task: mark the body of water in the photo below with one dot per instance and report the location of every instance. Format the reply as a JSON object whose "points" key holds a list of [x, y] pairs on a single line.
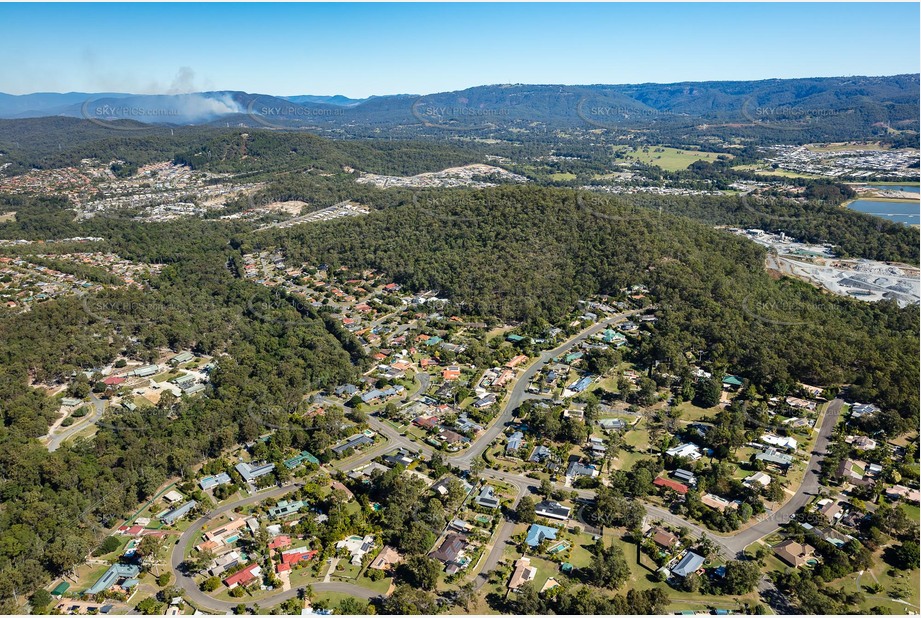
{"points": [[907, 213], [905, 188]]}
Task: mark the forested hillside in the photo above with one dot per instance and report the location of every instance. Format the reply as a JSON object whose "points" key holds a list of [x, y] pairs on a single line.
{"points": [[57, 506], [524, 253]]}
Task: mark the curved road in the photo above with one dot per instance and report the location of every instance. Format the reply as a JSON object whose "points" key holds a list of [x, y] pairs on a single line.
{"points": [[58, 439], [202, 600]]}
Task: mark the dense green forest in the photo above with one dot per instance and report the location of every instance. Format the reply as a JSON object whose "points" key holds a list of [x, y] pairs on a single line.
{"points": [[46, 143], [525, 253], [56, 506]]}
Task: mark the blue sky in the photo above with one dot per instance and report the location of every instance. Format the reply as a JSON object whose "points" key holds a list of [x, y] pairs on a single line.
{"points": [[363, 49]]}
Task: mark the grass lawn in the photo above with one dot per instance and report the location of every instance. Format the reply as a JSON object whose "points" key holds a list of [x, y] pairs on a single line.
{"points": [[838, 147], [331, 599], [562, 176], [914, 512], [626, 460], [771, 562], [86, 576], [890, 580], [785, 174], [693, 414], [670, 159]]}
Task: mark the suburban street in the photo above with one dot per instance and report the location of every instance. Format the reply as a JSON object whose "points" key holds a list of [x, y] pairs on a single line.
{"points": [[204, 601], [730, 546]]}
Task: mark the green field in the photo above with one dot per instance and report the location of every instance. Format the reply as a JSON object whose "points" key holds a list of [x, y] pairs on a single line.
{"points": [[670, 159]]}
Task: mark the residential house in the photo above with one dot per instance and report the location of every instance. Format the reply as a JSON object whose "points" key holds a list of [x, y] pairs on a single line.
{"points": [[900, 492], [173, 496], [757, 480], [774, 457], [225, 529], [182, 357], [357, 546], [251, 472], [664, 538], [450, 550], [717, 502], [784, 442], [687, 450], [830, 509], [859, 410], [485, 401], [675, 486], [210, 482], [613, 424], [386, 560], [732, 382], [861, 443], [552, 510], [538, 534], [173, 515], [123, 574], [523, 573], [285, 508], [794, 553], [578, 469], [688, 564], [685, 476], [353, 442], [452, 438], [400, 457], [224, 562], [487, 498], [298, 460], [514, 442], [244, 577]]}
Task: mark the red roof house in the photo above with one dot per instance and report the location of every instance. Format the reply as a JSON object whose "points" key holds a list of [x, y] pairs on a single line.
{"points": [[670, 484]]}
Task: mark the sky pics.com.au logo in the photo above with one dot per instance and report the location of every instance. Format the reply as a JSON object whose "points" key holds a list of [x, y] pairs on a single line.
{"points": [[786, 117], [457, 115], [128, 117], [286, 116], [602, 114]]}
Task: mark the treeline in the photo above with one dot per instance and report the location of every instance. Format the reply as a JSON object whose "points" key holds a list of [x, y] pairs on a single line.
{"points": [[853, 233]]}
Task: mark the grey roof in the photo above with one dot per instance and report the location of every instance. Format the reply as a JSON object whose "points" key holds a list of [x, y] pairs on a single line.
{"points": [[577, 468], [213, 481], [113, 574], [174, 515], [353, 442], [551, 509], [251, 473], [487, 498], [689, 564], [771, 455]]}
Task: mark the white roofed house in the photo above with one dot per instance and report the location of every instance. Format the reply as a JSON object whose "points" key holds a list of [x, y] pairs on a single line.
{"points": [[758, 480], [357, 546], [784, 442], [687, 450]]}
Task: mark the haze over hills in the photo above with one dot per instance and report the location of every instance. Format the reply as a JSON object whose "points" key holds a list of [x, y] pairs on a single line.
{"points": [[821, 105]]}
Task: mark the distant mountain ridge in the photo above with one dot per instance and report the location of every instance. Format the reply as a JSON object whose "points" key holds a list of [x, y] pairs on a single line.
{"points": [[822, 106], [336, 99]]}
